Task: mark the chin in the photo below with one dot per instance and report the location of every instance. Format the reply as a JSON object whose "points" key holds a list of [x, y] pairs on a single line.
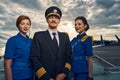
{"points": [[53, 27], [78, 31], [25, 32]]}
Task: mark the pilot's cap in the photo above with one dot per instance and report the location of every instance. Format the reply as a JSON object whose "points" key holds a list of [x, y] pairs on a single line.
{"points": [[53, 10]]}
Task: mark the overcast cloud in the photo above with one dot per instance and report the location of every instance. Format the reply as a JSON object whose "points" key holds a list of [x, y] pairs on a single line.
{"points": [[102, 15]]}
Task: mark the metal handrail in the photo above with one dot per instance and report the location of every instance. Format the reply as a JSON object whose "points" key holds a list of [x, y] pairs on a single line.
{"points": [[101, 59]]}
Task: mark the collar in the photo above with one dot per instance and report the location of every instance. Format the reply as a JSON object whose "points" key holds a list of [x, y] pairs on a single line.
{"points": [[22, 36], [50, 31], [81, 35]]}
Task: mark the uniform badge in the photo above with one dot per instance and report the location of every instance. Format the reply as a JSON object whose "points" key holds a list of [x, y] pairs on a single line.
{"points": [[55, 11]]}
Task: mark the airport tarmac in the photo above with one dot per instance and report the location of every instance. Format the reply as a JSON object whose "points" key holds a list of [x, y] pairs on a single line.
{"points": [[105, 57], [109, 53], [106, 62]]}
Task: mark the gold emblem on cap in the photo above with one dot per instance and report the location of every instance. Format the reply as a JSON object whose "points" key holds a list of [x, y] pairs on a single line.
{"points": [[55, 11]]}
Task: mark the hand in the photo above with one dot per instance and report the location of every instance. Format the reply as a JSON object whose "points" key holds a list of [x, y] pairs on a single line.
{"points": [[51, 79], [61, 76], [90, 78]]}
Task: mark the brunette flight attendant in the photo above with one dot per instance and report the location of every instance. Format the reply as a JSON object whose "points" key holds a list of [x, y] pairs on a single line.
{"points": [[82, 51]]}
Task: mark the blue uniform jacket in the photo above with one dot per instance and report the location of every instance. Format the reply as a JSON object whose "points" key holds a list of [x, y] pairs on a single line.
{"points": [[81, 48], [18, 49]]}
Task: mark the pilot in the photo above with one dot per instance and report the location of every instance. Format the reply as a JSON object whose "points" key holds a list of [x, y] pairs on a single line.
{"points": [[50, 52]]}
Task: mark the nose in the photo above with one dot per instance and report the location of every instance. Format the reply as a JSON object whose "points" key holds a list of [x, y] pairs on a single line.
{"points": [[26, 25], [76, 25]]}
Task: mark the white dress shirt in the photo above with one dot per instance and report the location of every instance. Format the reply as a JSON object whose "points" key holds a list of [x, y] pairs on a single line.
{"points": [[57, 36]]}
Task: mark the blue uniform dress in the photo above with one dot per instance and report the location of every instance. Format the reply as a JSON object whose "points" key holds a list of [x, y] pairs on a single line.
{"points": [[18, 49], [81, 48]]}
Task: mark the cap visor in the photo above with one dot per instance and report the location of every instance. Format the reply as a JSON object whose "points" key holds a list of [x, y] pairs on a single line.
{"points": [[53, 14]]}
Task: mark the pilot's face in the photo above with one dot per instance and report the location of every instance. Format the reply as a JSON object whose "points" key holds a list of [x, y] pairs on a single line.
{"points": [[53, 21]]}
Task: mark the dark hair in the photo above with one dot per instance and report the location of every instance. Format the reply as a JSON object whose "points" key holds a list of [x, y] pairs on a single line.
{"points": [[84, 21], [20, 18]]}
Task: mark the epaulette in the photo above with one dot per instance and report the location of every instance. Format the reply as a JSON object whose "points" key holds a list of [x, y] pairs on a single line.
{"points": [[84, 38], [65, 33]]}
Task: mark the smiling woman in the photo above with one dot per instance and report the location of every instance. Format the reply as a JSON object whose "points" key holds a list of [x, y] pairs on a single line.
{"points": [[17, 52]]}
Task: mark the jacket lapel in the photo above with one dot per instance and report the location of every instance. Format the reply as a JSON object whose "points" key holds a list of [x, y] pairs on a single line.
{"points": [[60, 42]]}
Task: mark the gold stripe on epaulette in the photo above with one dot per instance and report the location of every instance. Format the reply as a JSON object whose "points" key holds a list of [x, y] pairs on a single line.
{"points": [[65, 33], [40, 72], [84, 38], [68, 66]]}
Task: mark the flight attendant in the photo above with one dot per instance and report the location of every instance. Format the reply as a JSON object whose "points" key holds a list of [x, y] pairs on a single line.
{"points": [[17, 53], [82, 51]]}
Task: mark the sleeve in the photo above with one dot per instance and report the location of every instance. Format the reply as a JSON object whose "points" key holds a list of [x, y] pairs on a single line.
{"points": [[35, 59], [88, 46], [10, 49], [67, 66]]}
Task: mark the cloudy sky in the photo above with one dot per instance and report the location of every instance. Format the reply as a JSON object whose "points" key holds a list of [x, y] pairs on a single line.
{"points": [[103, 16]]}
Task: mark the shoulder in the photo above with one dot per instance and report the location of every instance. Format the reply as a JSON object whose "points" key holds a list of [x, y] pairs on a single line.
{"points": [[40, 33], [91, 37], [63, 33], [87, 38], [64, 36], [13, 38], [73, 39]]}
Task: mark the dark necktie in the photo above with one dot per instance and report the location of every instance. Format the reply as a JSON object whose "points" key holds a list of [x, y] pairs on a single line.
{"points": [[55, 43], [54, 39]]}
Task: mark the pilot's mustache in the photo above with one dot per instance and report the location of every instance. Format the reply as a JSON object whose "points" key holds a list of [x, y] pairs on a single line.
{"points": [[53, 22]]}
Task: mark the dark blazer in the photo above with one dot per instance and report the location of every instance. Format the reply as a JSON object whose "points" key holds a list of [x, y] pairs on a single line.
{"points": [[46, 62]]}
